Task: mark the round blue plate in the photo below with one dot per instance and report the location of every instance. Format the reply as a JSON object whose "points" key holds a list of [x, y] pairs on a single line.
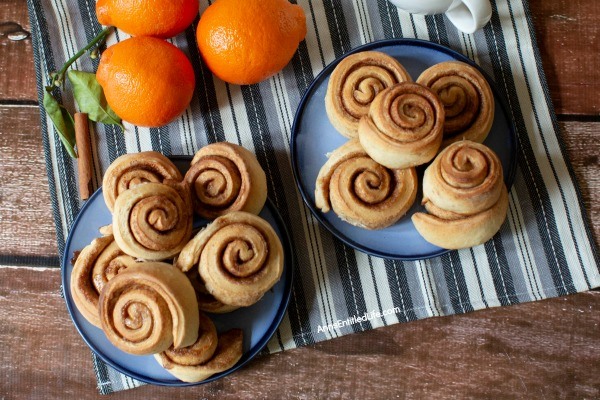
{"points": [[259, 322], [313, 137]]}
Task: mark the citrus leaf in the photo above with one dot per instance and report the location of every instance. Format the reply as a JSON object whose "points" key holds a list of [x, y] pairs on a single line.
{"points": [[63, 122], [90, 98]]}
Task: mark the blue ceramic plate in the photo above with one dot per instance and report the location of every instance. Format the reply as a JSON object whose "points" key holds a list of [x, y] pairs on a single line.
{"points": [[313, 137], [259, 322]]}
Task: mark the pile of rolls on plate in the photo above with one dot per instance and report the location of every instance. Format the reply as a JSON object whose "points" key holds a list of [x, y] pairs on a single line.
{"points": [[394, 125], [149, 279]]}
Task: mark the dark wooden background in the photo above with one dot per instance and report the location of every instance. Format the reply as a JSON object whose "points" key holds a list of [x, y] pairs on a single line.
{"points": [[546, 349]]}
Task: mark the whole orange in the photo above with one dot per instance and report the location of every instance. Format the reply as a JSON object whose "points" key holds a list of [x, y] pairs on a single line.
{"points": [[163, 18], [245, 42], [146, 81]]}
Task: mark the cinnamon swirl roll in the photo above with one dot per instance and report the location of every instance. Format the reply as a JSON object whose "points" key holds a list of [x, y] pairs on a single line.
{"points": [[239, 257], [363, 192], [210, 354], [353, 85], [96, 264], [467, 98], [153, 221], [225, 177], [149, 307], [465, 197], [404, 126], [130, 170]]}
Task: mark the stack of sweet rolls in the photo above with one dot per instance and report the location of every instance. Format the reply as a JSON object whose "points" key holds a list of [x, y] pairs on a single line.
{"points": [[394, 125], [147, 281]]}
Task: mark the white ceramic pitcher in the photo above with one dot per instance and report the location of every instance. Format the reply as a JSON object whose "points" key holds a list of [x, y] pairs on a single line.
{"points": [[467, 15]]}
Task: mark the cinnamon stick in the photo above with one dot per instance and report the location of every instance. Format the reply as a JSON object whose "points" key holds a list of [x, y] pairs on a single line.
{"points": [[84, 155]]}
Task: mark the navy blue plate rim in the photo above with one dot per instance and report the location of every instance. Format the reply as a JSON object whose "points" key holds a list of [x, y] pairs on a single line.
{"points": [[512, 168], [246, 357]]}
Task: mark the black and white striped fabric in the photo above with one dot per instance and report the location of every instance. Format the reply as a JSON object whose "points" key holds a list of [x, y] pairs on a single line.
{"points": [[543, 250]]}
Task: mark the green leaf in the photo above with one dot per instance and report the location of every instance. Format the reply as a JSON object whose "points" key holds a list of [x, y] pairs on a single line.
{"points": [[90, 98], [63, 122]]}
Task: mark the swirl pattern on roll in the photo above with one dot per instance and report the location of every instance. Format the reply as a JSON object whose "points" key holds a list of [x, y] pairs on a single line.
{"points": [[353, 85], [465, 197], [149, 307], [153, 221], [225, 177], [130, 170], [210, 354], [467, 97], [96, 264], [404, 126], [239, 257], [363, 192]]}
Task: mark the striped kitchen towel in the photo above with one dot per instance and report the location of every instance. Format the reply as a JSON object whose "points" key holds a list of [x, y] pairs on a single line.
{"points": [[544, 249]]}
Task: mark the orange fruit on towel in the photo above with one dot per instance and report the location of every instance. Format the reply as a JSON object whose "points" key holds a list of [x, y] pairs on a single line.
{"points": [[147, 17], [146, 81], [249, 41]]}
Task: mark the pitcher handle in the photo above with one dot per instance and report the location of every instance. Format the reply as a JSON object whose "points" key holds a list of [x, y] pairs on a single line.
{"points": [[470, 15]]}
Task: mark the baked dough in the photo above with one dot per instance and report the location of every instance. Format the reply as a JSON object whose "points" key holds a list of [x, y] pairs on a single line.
{"points": [[210, 354], [239, 257], [467, 97], [95, 265], [225, 177], [363, 192], [153, 221], [353, 85], [404, 126], [149, 307], [464, 195], [130, 170]]}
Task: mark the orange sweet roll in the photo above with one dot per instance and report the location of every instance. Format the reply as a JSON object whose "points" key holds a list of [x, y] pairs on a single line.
{"points": [[467, 97], [153, 221], [96, 264], [464, 195], [130, 170], [404, 126], [210, 354], [225, 177], [353, 85], [148, 308], [239, 258], [363, 192]]}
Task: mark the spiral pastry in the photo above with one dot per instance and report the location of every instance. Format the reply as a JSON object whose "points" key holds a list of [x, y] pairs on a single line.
{"points": [[206, 301], [404, 126], [153, 221], [96, 264], [149, 307], [225, 177], [363, 192], [467, 98], [130, 170], [464, 195], [239, 257], [353, 85], [210, 354]]}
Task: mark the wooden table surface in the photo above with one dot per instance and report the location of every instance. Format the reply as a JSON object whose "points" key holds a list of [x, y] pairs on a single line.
{"points": [[546, 349]]}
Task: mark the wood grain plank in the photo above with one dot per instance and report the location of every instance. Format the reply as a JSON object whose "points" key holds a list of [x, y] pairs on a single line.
{"points": [[567, 34], [566, 30], [546, 349], [583, 149], [17, 74], [26, 223]]}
